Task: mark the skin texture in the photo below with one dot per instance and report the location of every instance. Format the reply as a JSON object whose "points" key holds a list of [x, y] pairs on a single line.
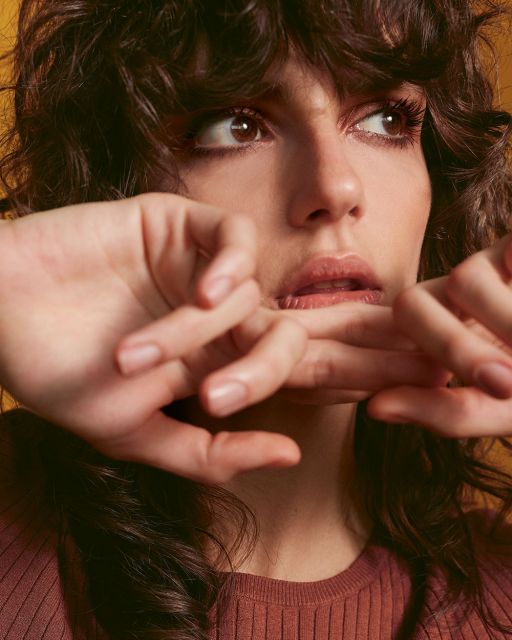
{"points": [[318, 185], [464, 321], [316, 181], [112, 310]]}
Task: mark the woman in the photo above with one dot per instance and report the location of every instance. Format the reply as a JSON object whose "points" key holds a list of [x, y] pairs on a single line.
{"points": [[341, 150]]}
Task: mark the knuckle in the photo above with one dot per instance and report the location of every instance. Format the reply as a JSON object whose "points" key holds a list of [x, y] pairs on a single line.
{"points": [[405, 305], [247, 262], [245, 335], [462, 277], [386, 368], [253, 289], [210, 464], [246, 299], [324, 372], [295, 333], [457, 427], [243, 261], [156, 201], [453, 346], [272, 368], [355, 327]]}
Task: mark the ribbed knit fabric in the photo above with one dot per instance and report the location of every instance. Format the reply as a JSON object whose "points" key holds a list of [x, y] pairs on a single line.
{"points": [[367, 601], [34, 604]]}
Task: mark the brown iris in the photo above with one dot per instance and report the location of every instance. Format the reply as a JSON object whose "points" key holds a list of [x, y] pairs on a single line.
{"points": [[244, 129], [393, 123]]}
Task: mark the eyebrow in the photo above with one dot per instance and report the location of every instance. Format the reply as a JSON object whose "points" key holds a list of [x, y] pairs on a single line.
{"points": [[280, 92]]}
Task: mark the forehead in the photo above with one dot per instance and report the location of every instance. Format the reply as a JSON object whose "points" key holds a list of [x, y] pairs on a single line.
{"points": [[363, 47], [291, 79], [297, 74]]}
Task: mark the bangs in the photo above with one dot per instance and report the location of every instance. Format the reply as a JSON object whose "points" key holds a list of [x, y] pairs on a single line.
{"points": [[371, 43], [97, 83]]}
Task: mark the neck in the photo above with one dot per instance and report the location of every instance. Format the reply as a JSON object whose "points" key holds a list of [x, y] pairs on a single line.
{"points": [[309, 524]]}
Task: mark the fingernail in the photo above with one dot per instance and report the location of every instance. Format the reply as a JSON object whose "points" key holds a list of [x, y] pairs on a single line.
{"points": [[138, 358], [495, 379], [218, 289], [227, 398]]}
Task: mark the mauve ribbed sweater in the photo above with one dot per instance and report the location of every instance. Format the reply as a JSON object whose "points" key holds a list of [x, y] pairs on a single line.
{"points": [[364, 602]]}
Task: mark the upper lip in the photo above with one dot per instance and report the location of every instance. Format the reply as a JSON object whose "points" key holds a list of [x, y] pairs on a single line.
{"points": [[333, 267]]}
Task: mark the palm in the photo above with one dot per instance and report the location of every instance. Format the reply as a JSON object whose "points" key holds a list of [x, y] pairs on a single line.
{"points": [[82, 287], [91, 283], [76, 282]]}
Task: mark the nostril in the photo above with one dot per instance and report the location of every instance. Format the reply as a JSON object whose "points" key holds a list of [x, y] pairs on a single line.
{"points": [[318, 214], [325, 213]]}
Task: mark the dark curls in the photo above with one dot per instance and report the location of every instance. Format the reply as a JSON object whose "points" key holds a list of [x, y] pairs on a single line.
{"points": [[95, 82]]}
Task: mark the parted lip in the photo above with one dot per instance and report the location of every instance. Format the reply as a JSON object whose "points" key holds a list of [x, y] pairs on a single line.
{"points": [[329, 268]]}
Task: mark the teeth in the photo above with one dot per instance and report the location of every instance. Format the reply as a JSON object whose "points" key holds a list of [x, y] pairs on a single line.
{"points": [[333, 284], [326, 284], [341, 284]]}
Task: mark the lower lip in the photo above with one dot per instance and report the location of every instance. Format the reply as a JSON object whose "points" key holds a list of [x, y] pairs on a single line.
{"points": [[317, 300]]}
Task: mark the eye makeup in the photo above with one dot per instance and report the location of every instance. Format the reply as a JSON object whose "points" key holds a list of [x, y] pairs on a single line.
{"points": [[240, 129]]}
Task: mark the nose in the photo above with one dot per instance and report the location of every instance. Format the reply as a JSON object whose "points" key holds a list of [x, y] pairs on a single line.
{"points": [[325, 185]]}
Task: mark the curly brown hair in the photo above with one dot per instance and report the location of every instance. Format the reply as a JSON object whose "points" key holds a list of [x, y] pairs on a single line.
{"points": [[95, 83]]}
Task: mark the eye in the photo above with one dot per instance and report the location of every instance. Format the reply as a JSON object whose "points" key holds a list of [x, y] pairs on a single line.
{"points": [[387, 122], [236, 129], [398, 123]]}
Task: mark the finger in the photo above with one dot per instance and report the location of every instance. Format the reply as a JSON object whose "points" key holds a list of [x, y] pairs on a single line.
{"points": [[184, 330], [233, 262], [331, 364], [440, 334], [177, 231], [257, 375], [499, 256], [461, 412], [437, 288], [477, 288], [195, 453], [354, 323]]}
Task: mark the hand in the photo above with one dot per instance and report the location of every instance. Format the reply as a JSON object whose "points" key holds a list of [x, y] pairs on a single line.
{"points": [[464, 321], [111, 311], [75, 282], [353, 350]]}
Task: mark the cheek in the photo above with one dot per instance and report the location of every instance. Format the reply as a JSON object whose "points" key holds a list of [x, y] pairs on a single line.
{"points": [[401, 191], [398, 200], [237, 185]]}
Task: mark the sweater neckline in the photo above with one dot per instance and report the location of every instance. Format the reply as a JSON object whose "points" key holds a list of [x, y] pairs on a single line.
{"points": [[364, 570]]}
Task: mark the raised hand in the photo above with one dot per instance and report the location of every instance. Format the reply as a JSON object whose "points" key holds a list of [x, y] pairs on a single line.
{"points": [[464, 321], [111, 311], [353, 350], [76, 281]]}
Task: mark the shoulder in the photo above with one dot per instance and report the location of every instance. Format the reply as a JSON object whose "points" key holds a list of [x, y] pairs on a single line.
{"points": [[492, 550], [32, 549]]}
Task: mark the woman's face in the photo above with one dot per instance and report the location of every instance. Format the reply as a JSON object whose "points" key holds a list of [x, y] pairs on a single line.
{"points": [[338, 189]]}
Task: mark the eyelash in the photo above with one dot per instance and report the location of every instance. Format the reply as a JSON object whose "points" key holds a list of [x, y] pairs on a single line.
{"points": [[203, 121], [412, 111]]}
